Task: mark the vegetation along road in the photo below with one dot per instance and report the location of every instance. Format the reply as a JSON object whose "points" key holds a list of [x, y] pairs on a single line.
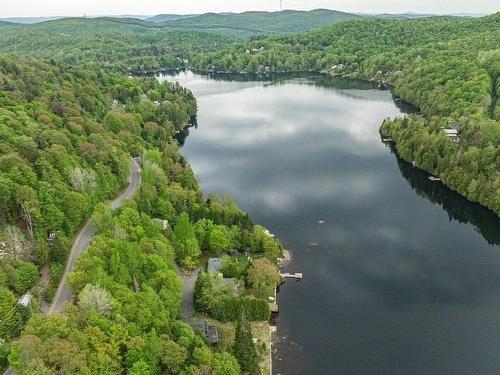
{"points": [[84, 236]]}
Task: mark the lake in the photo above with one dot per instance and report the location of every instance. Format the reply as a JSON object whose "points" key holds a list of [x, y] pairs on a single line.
{"points": [[403, 276]]}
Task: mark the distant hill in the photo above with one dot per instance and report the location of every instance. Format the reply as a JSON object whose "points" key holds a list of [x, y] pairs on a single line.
{"points": [[5, 23], [248, 23], [411, 15], [113, 43], [29, 20], [170, 17]]}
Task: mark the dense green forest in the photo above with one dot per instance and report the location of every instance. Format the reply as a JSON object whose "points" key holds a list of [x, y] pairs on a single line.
{"points": [[124, 45], [446, 66], [262, 23], [133, 45]]}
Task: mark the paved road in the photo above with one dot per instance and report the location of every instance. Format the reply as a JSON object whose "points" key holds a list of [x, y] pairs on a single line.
{"points": [[187, 303], [83, 238], [81, 243]]}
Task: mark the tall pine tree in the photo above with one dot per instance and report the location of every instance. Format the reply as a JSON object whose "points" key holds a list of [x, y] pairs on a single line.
{"points": [[244, 348]]}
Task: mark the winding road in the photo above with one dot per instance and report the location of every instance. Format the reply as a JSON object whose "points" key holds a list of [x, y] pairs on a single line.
{"points": [[82, 241], [84, 236]]}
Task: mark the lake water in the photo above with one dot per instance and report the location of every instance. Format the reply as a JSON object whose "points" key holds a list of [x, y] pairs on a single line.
{"points": [[404, 275]]}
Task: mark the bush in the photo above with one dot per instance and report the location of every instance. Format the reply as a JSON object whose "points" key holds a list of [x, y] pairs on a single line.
{"points": [[25, 276]]}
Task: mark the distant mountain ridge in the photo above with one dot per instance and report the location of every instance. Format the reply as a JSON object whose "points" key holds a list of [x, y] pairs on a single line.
{"points": [[246, 23], [170, 17], [205, 20]]}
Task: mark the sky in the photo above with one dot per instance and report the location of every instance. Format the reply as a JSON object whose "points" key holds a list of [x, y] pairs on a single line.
{"points": [[33, 8]]}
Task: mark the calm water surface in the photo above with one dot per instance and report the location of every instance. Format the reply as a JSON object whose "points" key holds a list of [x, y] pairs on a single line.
{"points": [[403, 277]]}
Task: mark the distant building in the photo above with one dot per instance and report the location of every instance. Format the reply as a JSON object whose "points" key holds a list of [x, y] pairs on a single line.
{"points": [[207, 331]]}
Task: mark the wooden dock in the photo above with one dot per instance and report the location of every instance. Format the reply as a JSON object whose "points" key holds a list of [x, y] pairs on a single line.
{"points": [[297, 275], [274, 308]]}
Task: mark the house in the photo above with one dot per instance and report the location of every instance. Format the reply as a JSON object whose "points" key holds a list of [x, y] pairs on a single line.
{"points": [[24, 300], [161, 223], [214, 265], [208, 332], [451, 134]]}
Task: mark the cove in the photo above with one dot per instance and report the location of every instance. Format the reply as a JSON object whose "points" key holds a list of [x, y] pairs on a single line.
{"points": [[403, 277]]}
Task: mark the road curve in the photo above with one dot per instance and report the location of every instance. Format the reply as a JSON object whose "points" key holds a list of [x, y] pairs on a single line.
{"points": [[84, 236]]}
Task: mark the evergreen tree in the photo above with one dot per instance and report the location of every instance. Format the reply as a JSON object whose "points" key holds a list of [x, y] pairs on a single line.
{"points": [[244, 348]]}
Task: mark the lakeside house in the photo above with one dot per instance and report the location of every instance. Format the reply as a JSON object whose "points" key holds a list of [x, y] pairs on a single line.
{"points": [[229, 284]]}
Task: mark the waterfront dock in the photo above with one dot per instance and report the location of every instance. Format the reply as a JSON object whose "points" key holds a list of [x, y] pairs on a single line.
{"points": [[287, 275]]}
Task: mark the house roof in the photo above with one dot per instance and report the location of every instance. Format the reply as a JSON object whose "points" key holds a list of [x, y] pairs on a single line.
{"points": [[25, 300], [214, 265]]}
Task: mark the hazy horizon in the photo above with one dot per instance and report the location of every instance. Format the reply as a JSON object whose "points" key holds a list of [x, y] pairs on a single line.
{"points": [[93, 8]]}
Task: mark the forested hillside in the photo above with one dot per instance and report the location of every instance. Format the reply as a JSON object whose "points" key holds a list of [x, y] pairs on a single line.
{"points": [[66, 134], [446, 66], [133, 45], [250, 23], [114, 44]]}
